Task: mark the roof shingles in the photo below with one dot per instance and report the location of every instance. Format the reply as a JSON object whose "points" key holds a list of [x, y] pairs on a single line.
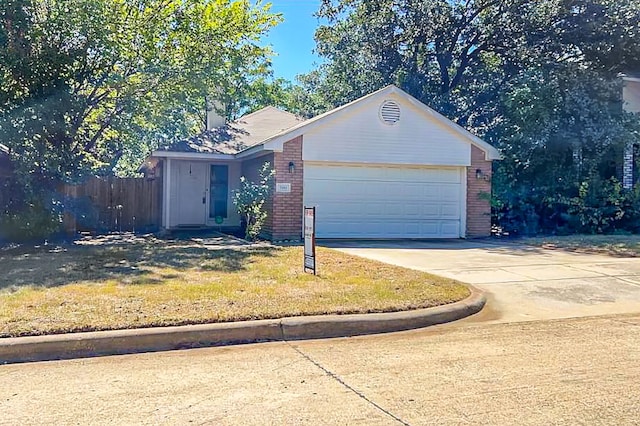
{"points": [[239, 135]]}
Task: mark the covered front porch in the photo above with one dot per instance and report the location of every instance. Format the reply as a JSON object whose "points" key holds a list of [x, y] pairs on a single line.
{"points": [[198, 193]]}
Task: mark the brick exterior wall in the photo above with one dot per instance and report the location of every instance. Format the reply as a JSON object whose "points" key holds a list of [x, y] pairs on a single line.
{"points": [[287, 207], [627, 167], [251, 171], [478, 205], [284, 210]]}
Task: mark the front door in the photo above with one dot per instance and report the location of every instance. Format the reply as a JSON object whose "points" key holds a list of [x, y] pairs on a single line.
{"points": [[192, 193], [219, 193]]}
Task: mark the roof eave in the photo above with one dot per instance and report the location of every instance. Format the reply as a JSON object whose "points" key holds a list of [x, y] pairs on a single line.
{"points": [[247, 152], [192, 155], [275, 142]]}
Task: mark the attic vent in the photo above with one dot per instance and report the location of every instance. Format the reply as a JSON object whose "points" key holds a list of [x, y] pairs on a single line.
{"points": [[390, 112]]}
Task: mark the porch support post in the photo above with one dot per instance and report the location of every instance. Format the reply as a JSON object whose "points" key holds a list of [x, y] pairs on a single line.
{"points": [[167, 195]]}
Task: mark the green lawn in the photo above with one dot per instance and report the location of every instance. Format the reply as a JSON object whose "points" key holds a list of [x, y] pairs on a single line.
{"points": [[616, 245], [146, 282]]}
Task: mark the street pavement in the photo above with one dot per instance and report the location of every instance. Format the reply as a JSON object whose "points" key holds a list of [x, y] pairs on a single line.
{"points": [[534, 356], [571, 371]]}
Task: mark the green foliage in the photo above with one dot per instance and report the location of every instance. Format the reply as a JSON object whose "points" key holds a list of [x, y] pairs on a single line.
{"points": [[90, 87], [562, 129], [596, 210], [453, 55], [537, 79], [458, 56], [91, 84], [263, 92], [250, 201], [35, 222], [601, 207], [630, 205], [598, 207]]}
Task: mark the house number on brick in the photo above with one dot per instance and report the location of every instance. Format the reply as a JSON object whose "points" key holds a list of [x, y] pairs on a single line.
{"points": [[283, 187]]}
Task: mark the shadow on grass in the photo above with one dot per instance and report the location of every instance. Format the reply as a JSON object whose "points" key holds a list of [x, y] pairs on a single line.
{"points": [[129, 260]]}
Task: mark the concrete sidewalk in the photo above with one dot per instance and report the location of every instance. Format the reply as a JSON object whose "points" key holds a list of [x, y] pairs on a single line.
{"points": [[523, 283]]}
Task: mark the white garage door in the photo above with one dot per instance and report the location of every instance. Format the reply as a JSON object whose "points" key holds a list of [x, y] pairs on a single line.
{"points": [[385, 202]]}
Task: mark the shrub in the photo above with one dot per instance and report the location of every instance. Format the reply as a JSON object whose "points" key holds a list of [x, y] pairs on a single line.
{"points": [[35, 222], [596, 206], [250, 201]]}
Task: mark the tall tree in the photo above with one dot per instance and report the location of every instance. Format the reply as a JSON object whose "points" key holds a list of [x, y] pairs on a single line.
{"points": [[538, 79], [458, 55], [86, 84], [91, 86]]}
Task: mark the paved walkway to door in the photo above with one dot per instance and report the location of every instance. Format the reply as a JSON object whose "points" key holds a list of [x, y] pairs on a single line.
{"points": [[524, 283]]}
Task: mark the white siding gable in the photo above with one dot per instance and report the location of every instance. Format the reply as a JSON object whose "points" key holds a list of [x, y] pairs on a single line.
{"points": [[631, 96], [360, 136]]}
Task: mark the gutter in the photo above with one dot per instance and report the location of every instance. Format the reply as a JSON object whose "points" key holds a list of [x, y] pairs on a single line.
{"points": [[192, 155]]}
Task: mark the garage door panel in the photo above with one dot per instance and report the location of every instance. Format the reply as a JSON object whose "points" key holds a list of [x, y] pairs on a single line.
{"points": [[450, 229], [431, 191], [413, 209], [384, 202], [450, 194], [431, 211], [449, 210], [382, 174], [425, 229], [389, 191]]}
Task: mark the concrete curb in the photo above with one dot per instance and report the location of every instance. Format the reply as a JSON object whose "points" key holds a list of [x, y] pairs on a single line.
{"points": [[118, 342]]}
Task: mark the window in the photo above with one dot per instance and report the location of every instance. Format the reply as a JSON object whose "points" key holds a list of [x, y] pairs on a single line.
{"points": [[218, 191]]}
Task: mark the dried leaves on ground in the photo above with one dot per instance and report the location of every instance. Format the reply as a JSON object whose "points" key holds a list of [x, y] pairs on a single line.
{"points": [[615, 245], [114, 283]]}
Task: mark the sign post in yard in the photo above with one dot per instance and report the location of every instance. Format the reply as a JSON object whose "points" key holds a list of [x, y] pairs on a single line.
{"points": [[310, 239]]}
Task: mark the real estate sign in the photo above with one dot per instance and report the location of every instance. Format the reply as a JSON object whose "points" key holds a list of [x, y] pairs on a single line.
{"points": [[310, 239]]}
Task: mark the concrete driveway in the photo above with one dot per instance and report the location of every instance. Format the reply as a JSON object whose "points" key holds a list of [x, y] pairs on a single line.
{"points": [[524, 283]]}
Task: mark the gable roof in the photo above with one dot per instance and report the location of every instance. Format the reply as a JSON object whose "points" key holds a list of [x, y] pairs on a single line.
{"points": [[6, 167], [275, 142], [630, 76], [239, 135], [269, 128]]}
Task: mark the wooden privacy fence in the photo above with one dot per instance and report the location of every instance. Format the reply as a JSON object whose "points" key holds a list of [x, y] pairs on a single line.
{"points": [[113, 204]]}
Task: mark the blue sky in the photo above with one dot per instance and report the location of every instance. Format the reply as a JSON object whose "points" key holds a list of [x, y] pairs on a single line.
{"points": [[292, 40]]}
